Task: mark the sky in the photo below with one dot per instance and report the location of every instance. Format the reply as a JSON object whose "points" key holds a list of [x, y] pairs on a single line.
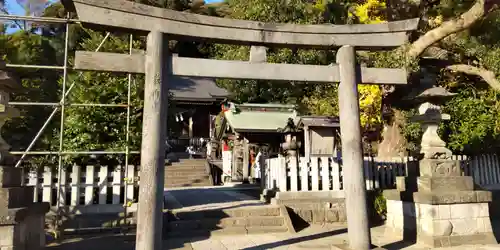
{"points": [[16, 9]]}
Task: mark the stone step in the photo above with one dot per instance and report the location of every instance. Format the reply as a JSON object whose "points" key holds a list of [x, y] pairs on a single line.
{"points": [[185, 171], [201, 184], [185, 165], [185, 181], [187, 176], [89, 221], [309, 203], [248, 211], [194, 162], [212, 224], [226, 231], [191, 163]]}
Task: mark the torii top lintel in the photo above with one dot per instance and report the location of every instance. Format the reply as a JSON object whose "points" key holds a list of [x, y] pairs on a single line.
{"points": [[140, 18]]}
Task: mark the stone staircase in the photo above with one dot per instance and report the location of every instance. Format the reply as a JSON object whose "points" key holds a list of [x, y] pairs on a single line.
{"points": [[187, 173], [252, 219], [316, 211]]}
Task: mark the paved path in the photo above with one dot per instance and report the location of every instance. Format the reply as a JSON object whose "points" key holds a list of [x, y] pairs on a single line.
{"points": [[315, 237], [192, 199]]}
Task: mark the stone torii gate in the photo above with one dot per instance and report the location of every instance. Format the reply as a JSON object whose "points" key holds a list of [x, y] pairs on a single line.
{"points": [[157, 65]]}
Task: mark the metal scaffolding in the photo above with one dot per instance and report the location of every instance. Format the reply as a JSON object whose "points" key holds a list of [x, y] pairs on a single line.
{"points": [[62, 104]]}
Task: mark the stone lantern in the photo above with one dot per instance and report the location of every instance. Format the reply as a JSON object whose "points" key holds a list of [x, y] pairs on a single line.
{"points": [[430, 116], [291, 144], [21, 221], [436, 204]]}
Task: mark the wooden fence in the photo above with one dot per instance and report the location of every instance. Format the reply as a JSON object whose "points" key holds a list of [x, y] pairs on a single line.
{"points": [[87, 189], [485, 169], [97, 189], [325, 173]]}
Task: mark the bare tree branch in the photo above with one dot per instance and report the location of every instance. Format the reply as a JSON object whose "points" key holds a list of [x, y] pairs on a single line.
{"points": [[487, 75], [3, 10], [479, 10], [436, 53]]}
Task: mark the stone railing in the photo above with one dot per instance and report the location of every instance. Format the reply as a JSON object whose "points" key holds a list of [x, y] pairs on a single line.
{"points": [[325, 173]]}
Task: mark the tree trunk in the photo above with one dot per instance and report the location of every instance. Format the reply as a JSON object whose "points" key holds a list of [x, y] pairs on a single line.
{"points": [[393, 143]]}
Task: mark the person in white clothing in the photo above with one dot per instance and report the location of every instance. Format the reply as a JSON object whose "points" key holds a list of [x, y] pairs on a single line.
{"points": [[258, 163]]}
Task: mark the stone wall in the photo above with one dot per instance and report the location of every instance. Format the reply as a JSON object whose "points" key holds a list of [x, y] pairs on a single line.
{"points": [[319, 207], [316, 212], [26, 234], [494, 205], [441, 225]]}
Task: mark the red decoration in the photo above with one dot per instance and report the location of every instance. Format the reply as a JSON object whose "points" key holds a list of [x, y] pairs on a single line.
{"points": [[225, 147]]}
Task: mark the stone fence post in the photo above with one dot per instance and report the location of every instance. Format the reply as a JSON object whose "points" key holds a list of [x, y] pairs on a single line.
{"points": [[22, 222]]}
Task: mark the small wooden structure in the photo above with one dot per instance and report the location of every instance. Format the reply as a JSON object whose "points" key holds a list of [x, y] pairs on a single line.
{"points": [[255, 124], [320, 135], [197, 100]]}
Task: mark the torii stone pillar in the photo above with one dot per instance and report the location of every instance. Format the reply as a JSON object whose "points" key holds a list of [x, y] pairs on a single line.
{"points": [[154, 127], [21, 221], [352, 151]]}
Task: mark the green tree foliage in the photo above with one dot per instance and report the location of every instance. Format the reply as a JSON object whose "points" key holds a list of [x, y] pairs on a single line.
{"points": [[85, 128], [475, 110], [37, 85], [103, 128], [294, 11], [467, 61]]}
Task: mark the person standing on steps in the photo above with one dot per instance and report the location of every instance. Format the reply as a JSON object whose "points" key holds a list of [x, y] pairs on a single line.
{"points": [[258, 164]]}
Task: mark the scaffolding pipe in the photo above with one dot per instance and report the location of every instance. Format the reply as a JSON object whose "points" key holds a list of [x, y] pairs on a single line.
{"points": [[37, 19], [103, 105], [127, 136], [61, 131], [63, 104], [73, 152], [57, 104], [35, 139], [31, 66]]}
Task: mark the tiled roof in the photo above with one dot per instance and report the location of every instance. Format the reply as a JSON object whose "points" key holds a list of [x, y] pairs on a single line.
{"points": [[195, 89]]}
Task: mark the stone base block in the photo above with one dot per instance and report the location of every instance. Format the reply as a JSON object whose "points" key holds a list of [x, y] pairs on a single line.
{"points": [[24, 228], [446, 241], [441, 225], [318, 213], [10, 177], [433, 184], [439, 197], [320, 206], [316, 207], [15, 197], [439, 168]]}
